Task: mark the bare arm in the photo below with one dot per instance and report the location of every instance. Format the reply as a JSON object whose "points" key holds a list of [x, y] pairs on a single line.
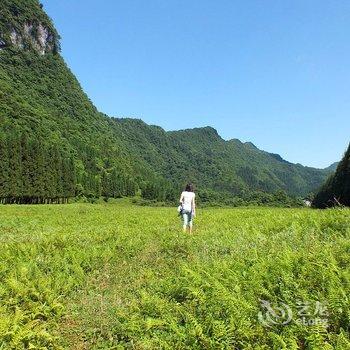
{"points": [[181, 198], [193, 206]]}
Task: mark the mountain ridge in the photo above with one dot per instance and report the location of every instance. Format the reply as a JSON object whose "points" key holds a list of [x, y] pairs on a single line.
{"points": [[333, 166], [214, 131]]}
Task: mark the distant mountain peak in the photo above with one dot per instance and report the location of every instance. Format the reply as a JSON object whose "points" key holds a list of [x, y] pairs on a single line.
{"points": [[205, 131], [332, 167], [250, 144], [209, 130]]}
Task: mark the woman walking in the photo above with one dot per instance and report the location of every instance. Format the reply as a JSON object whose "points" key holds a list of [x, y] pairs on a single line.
{"points": [[188, 207]]}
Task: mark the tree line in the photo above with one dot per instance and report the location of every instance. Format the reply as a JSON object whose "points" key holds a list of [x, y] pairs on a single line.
{"points": [[34, 172]]}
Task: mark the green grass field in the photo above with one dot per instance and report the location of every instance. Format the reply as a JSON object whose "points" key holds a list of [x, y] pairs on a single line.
{"points": [[118, 276]]}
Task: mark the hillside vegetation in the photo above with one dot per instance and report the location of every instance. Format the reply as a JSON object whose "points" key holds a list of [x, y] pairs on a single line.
{"points": [[336, 190], [84, 276], [56, 145]]}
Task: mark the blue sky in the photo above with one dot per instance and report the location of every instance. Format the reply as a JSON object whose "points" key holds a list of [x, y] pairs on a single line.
{"points": [[276, 73]]}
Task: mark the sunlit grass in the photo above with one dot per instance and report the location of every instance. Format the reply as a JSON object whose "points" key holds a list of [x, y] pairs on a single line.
{"points": [[118, 276]]}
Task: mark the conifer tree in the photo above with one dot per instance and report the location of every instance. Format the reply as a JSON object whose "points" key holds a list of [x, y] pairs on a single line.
{"points": [[4, 170]]}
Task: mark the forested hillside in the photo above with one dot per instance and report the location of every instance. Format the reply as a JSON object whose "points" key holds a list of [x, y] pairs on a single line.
{"points": [[336, 190], [54, 144], [202, 156], [333, 167]]}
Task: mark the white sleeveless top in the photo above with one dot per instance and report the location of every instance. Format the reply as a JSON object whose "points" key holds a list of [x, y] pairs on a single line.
{"points": [[187, 200]]}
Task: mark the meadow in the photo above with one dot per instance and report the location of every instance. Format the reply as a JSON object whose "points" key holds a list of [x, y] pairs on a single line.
{"points": [[120, 276]]}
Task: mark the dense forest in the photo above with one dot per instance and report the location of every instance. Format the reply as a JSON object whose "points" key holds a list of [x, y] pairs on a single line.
{"points": [[336, 190], [55, 145]]}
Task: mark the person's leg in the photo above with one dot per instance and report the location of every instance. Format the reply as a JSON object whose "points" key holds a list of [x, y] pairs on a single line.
{"points": [[190, 222], [185, 221]]}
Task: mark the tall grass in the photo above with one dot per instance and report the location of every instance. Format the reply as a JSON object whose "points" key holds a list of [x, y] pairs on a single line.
{"points": [[118, 276]]}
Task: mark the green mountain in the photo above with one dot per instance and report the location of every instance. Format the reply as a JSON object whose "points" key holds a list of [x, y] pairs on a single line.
{"points": [[336, 190], [332, 167], [54, 144]]}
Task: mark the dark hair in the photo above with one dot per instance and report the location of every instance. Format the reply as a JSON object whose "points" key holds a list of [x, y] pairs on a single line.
{"points": [[189, 187]]}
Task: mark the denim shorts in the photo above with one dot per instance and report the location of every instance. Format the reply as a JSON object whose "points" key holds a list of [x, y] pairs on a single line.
{"points": [[187, 217]]}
